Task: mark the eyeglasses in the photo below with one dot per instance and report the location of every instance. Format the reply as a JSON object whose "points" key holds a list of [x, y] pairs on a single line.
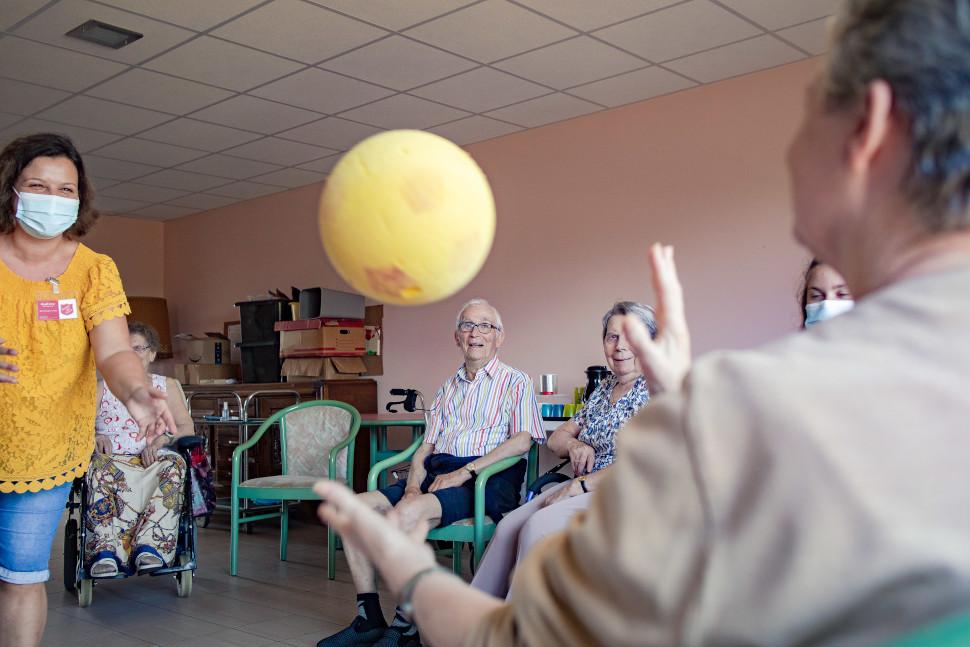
{"points": [[484, 327], [141, 349]]}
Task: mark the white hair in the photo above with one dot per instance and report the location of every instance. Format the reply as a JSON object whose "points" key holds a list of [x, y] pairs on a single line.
{"points": [[479, 302]]}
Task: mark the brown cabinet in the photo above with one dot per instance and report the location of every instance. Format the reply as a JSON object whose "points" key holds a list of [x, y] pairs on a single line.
{"points": [[261, 401]]}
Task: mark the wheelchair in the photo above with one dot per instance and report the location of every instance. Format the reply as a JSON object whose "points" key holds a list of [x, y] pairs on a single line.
{"points": [[77, 578]]}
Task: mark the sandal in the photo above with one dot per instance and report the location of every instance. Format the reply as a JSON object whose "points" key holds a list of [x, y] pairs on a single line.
{"points": [[147, 562], [104, 567]]}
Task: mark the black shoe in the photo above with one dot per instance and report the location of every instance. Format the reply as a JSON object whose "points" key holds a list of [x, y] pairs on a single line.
{"points": [[353, 636], [394, 637]]}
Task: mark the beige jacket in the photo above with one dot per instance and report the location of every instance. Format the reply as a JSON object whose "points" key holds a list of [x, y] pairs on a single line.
{"points": [[815, 491]]}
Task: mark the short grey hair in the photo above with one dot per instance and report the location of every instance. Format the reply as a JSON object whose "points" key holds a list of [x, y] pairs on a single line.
{"points": [[921, 48], [146, 331], [479, 302], [644, 313]]}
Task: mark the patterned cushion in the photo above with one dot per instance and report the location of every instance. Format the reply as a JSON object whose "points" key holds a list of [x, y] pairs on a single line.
{"points": [[310, 435], [286, 481]]}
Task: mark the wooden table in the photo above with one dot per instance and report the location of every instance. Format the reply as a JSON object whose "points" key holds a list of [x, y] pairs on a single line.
{"points": [[377, 425]]}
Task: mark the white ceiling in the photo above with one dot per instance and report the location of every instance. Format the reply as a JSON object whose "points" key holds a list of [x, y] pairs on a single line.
{"points": [[227, 100]]}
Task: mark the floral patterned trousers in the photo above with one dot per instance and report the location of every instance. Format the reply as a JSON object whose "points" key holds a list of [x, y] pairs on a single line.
{"points": [[133, 509]]}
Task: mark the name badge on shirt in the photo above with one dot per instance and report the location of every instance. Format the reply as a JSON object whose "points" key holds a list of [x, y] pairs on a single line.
{"points": [[56, 307]]}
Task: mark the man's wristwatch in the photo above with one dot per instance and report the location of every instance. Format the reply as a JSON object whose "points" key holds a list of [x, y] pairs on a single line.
{"points": [[471, 469]]}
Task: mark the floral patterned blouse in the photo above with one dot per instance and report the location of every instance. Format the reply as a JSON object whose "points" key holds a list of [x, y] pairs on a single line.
{"points": [[599, 420]]}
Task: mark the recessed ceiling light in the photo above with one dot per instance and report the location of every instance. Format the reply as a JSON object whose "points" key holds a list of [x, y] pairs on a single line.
{"points": [[101, 33]]}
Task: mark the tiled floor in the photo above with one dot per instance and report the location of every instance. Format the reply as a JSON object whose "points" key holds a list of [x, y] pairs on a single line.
{"points": [[269, 603]]}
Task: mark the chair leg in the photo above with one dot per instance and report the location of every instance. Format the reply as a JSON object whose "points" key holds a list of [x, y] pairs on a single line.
{"points": [[284, 528], [331, 553], [456, 557], [233, 535]]}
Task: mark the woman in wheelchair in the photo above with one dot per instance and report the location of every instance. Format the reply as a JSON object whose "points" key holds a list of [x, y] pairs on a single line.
{"points": [[588, 439], [135, 488]]}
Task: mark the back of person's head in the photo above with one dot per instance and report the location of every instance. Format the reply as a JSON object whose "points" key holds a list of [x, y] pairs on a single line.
{"points": [[921, 48], [19, 153]]}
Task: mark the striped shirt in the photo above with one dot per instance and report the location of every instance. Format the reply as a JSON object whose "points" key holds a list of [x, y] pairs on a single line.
{"points": [[473, 417]]}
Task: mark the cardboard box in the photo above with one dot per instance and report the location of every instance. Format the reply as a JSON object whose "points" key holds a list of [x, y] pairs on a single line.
{"points": [[206, 373], [210, 349], [321, 338], [374, 318], [323, 368]]}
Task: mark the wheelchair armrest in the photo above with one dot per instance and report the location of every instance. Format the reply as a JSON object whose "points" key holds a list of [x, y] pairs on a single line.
{"points": [[188, 443]]}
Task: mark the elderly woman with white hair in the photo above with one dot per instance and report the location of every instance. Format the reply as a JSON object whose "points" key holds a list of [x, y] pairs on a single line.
{"points": [[588, 440]]}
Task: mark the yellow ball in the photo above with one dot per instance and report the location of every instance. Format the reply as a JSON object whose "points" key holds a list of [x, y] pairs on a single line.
{"points": [[407, 217]]}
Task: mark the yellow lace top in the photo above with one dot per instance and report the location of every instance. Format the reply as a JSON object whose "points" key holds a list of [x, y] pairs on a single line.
{"points": [[47, 418]]}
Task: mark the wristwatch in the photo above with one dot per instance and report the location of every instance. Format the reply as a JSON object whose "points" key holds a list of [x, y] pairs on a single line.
{"points": [[471, 469]]}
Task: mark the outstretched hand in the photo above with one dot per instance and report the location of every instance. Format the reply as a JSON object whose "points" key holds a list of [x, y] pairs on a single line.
{"points": [[149, 408], [396, 554], [665, 359]]}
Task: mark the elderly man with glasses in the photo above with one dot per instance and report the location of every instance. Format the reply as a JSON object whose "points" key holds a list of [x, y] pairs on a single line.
{"points": [[483, 413]]}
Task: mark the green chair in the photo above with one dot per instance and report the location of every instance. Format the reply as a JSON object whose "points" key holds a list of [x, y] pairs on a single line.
{"points": [[949, 632], [316, 442], [476, 530]]}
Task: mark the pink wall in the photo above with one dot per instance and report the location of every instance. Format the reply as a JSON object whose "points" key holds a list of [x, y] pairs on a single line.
{"points": [[578, 204], [137, 247]]}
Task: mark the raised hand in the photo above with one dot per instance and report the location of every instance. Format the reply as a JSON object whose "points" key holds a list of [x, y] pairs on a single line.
{"points": [[664, 360], [149, 408]]}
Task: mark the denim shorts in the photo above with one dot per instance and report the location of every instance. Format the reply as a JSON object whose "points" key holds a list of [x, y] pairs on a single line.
{"points": [[28, 523], [457, 503]]}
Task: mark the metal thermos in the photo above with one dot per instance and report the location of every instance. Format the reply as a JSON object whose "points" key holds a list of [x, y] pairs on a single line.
{"points": [[547, 384]]}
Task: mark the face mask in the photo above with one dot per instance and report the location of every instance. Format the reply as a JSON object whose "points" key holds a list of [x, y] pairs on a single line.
{"points": [[46, 216], [816, 312]]}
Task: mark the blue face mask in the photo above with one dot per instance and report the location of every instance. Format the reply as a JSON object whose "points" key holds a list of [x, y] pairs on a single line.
{"points": [[822, 310], [45, 216]]}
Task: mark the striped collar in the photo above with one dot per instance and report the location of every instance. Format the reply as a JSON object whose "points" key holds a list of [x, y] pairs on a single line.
{"points": [[489, 369]]}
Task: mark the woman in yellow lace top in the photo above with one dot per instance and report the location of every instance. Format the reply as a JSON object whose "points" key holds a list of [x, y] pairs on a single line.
{"points": [[62, 312]]}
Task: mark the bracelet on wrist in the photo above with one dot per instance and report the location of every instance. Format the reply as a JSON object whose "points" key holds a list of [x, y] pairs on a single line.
{"points": [[405, 599]]}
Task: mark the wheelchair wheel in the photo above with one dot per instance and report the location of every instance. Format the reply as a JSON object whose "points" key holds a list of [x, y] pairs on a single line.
{"points": [[70, 555], [183, 579], [85, 592]]}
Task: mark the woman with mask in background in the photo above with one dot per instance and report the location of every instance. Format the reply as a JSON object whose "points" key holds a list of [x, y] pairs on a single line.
{"points": [[62, 313], [824, 294]]}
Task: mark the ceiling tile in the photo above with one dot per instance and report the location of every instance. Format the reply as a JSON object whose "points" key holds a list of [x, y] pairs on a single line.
{"points": [[332, 132], [813, 37], [298, 30], [291, 178], [7, 119], [117, 205], [26, 98], [402, 111], [84, 138], [103, 115], [198, 134], [323, 91], [188, 13], [586, 15], [16, 10], [545, 110], [133, 191], [632, 86], [474, 129], [51, 25], [223, 64], [740, 58], [678, 31], [183, 180], [62, 68], [246, 190], [279, 151], [490, 30], [252, 113], [322, 165], [203, 201], [480, 90], [164, 212], [571, 62], [116, 169], [394, 14], [133, 149], [398, 63], [234, 168], [158, 91], [101, 183], [774, 14]]}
